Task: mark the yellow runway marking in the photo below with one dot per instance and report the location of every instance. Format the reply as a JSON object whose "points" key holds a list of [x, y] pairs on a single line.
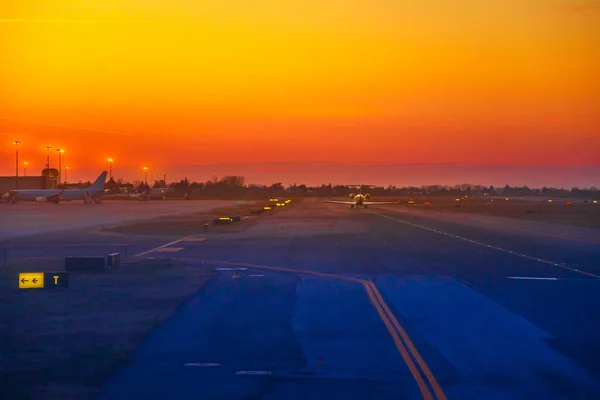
{"points": [[432, 381], [399, 345], [489, 246], [403, 343]]}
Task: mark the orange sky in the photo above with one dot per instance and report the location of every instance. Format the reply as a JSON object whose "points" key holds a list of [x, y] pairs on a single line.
{"points": [[191, 82]]}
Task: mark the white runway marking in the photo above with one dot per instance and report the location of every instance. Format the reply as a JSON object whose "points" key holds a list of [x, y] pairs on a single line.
{"points": [[202, 364], [170, 249], [93, 245], [253, 372], [489, 246], [533, 278], [160, 247]]}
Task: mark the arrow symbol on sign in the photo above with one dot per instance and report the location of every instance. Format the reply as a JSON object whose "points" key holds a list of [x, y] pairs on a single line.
{"points": [[34, 280], [23, 280]]}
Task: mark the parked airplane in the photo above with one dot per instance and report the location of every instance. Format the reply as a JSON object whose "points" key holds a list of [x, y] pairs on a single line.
{"points": [[360, 199], [89, 194], [12, 197], [127, 196]]}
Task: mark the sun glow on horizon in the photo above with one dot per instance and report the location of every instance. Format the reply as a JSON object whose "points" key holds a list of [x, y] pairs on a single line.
{"points": [[265, 81]]}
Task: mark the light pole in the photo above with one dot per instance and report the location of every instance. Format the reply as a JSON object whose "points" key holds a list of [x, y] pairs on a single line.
{"points": [[25, 164], [48, 156], [60, 151], [146, 175], [17, 143], [48, 166], [66, 169], [110, 161]]}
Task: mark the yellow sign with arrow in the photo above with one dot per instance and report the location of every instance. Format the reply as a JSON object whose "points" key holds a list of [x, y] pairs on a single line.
{"points": [[31, 280]]}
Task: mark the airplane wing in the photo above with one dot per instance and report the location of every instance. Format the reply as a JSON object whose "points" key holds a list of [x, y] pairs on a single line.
{"points": [[340, 202]]}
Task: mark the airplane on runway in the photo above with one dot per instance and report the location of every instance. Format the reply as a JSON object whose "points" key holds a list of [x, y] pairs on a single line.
{"points": [[92, 193], [360, 199]]}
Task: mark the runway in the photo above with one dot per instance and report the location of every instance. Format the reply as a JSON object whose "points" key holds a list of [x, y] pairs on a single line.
{"points": [[478, 331], [333, 303], [25, 219]]}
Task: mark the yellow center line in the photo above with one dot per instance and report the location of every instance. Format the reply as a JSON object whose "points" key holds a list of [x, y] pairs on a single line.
{"points": [[386, 315], [432, 381], [387, 320]]}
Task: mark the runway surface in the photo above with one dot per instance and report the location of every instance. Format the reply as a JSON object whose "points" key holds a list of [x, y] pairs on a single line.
{"points": [[333, 303], [23, 219]]}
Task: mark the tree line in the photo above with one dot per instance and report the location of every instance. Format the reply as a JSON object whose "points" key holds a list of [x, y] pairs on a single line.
{"points": [[233, 186]]}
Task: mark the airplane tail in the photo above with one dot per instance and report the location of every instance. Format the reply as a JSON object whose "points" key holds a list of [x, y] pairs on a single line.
{"points": [[98, 184]]}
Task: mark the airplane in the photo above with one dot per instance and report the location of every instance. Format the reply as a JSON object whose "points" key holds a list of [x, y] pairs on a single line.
{"points": [[360, 199], [89, 194], [128, 196], [12, 197]]}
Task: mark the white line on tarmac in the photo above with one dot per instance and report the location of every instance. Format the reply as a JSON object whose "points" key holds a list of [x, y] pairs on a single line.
{"points": [[253, 372], [170, 249], [92, 245], [533, 278], [560, 265], [160, 247], [202, 364]]}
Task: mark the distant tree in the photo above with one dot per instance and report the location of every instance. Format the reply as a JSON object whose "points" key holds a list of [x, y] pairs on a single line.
{"points": [[111, 185]]}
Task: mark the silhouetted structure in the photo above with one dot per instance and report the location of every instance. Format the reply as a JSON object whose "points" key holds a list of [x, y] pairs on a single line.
{"points": [[233, 186]]}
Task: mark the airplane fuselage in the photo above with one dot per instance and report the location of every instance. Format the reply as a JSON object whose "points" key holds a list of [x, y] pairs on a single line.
{"points": [[359, 200], [93, 192]]}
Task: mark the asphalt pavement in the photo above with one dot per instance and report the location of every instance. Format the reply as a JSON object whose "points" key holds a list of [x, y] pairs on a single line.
{"points": [[333, 303]]}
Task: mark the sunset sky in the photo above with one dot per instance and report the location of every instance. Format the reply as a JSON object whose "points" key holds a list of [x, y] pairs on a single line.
{"points": [[201, 88]]}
